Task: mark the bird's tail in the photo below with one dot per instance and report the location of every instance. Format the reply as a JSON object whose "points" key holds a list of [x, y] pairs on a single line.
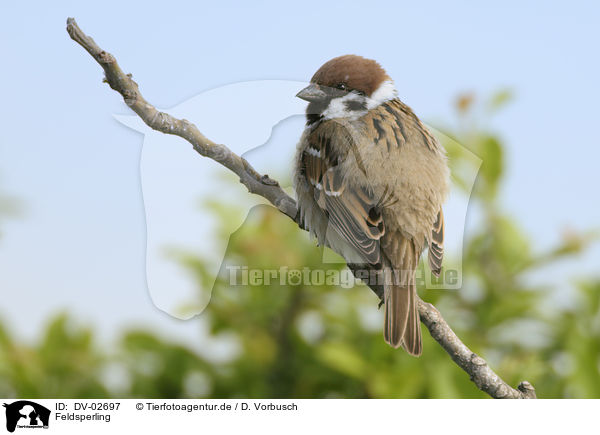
{"points": [[402, 325]]}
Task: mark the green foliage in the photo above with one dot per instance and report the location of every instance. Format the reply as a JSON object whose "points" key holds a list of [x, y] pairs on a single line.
{"points": [[312, 341], [10, 207], [575, 351], [63, 364]]}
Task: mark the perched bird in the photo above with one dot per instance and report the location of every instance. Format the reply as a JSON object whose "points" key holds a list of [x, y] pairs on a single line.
{"points": [[370, 181]]}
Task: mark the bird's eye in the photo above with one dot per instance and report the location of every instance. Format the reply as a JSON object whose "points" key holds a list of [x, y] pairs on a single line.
{"points": [[341, 86]]}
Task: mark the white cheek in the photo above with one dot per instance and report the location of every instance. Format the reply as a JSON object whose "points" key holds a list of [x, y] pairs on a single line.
{"points": [[337, 108], [385, 92]]}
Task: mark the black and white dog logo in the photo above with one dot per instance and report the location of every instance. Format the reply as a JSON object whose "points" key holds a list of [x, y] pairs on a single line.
{"points": [[26, 414]]}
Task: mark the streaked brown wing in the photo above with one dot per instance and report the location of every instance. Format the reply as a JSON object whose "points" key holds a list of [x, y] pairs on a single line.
{"points": [[436, 245], [353, 213]]}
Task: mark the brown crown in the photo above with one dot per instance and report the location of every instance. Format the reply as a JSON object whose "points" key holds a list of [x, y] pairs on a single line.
{"points": [[355, 72]]}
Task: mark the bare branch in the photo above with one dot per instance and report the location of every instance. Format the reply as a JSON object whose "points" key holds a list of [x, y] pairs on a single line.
{"points": [[481, 374], [476, 367], [165, 123]]}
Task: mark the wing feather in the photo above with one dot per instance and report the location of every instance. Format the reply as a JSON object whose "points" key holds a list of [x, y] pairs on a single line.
{"points": [[353, 213], [436, 245]]}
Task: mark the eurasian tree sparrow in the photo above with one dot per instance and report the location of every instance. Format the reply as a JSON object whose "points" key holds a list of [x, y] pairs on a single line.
{"points": [[370, 181]]}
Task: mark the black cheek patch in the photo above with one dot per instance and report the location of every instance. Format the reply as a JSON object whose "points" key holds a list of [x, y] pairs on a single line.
{"points": [[314, 110], [356, 105]]}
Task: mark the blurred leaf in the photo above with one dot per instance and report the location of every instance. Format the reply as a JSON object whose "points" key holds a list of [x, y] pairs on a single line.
{"points": [[464, 102], [500, 99], [343, 358]]}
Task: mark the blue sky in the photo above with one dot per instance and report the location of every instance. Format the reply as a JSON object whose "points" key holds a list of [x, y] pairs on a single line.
{"points": [[81, 243]]}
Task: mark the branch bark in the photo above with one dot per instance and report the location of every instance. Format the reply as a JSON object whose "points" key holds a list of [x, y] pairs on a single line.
{"points": [[475, 366]]}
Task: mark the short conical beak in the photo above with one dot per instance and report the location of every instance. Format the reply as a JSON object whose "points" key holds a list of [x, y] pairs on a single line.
{"points": [[312, 93]]}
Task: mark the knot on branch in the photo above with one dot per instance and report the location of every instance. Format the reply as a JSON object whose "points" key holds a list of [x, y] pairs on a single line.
{"points": [[268, 181], [477, 360], [129, 96], [133, 82], [105, 58], [527, 390], [503, 391]]}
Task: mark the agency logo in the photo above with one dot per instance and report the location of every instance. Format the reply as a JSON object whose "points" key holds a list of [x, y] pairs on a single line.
{"points": [[26, 414]]}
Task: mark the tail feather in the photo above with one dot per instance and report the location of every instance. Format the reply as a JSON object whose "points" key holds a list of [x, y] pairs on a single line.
{"points": [[411, 341], [402, 326], [397, 305]]}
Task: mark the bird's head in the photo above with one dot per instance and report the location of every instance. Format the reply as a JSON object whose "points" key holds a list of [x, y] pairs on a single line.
{"points": [[346, 87]]}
